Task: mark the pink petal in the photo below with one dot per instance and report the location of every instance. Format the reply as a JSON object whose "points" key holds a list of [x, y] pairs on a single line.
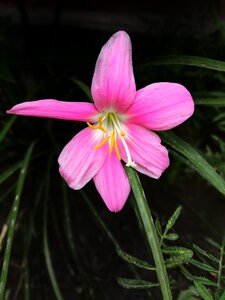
{"points": [[146, 151], [79, 161], [49, 108], [113, 85], [161, 106], [112, 183]]}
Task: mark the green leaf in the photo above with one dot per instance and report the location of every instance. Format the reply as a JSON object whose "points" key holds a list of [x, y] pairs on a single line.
{"points": [[204, 253], [133, 260], [200, 164], [12, 221], [188, 294], [203, 266], [171, 236], [151, 234], [179, 256], [85, 88], [68, 224], [172, 220], [205, 280], [158, 227], [135, 283], [51, 272], [195, 61], [47, 254], [202, 290], [178, 251], [210, 101], [222, 297], [99, 219], [191, 277], [7, 127], [175, 261], [7, 173], [213, 243]]}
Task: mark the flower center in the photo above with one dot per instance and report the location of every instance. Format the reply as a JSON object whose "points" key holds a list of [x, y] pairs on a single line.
{"points": [[113, 130]]}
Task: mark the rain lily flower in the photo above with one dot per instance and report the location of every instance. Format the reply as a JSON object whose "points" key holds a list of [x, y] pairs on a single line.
{"points": [[119, 125]]}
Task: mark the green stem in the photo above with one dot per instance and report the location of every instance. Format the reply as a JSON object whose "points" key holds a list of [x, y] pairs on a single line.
{"points": [[150, 230]]}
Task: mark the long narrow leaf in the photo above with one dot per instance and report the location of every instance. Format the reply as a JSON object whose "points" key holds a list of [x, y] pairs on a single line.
{"points": [[195, 61], [202, 290], [134, 260], [12, 221], [135, 284], [47, 255], [172, 220], [50, 266], [203, 266], [7, 127], [84, 88], [210, 101], [7, 173], [200, 164], [205, 254]]}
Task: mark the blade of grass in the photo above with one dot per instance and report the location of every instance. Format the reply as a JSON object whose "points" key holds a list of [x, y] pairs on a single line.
{"points": [[84, 88], [67, 224], [210, 101], [12, 221], [195, 61], [47, 255], [199, 163], [7, 127], [109, 234], [150, 230], [2, 235], [103, 225], [7, 173]]}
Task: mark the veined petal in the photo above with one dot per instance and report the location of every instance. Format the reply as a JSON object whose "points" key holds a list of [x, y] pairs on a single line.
{"points": [[79, 161], [113, 85], [161, 106], [146, 151], [112, 183], [50, 108]]}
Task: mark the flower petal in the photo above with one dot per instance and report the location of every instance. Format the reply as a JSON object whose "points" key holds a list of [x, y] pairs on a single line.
{"points": [[112, 183], [113, 85], [161, 106], [146, 151], [50, 108], [79, 161]]}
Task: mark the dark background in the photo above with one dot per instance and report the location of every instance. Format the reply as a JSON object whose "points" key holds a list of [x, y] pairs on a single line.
{"points": [[44, 46]]}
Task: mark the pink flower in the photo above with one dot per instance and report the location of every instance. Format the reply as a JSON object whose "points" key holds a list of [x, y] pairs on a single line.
{"points": [[119, 125]]}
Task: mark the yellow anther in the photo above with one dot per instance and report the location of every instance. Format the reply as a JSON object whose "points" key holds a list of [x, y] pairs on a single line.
{"points": [[114, 144], [102, 142], [117, 151], [122, 133], [97, 126]]}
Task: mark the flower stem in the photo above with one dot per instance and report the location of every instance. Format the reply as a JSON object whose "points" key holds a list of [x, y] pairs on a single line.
{"points": [[150, 230]]}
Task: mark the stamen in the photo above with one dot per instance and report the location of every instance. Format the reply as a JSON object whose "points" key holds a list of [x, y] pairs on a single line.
{"points": [[102, 142], [97, 126], [114, 144], [117, 151], [113, 126]]}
